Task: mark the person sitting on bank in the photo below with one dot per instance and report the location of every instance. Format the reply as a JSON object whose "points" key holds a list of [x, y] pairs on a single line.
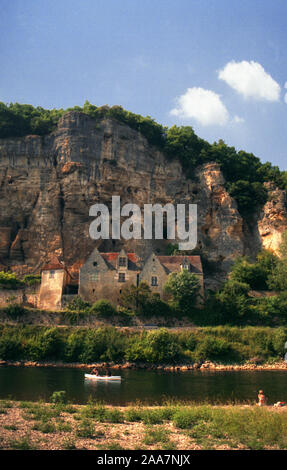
{"points": [[261, 398]]}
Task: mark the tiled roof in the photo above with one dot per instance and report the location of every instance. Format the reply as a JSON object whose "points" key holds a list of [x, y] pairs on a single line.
{"points": [[111, 258], [55, 264], [173, 263]]}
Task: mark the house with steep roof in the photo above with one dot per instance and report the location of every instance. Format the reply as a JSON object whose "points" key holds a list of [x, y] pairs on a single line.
{"points": [[156, 270], [55, 279], [105, 274]]}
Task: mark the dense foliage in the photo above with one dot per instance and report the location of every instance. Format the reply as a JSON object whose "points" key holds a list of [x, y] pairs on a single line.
{"points": [[245, 174], [9, 280], [143, 302], [88, 345], [237, 303], [184, 289]]}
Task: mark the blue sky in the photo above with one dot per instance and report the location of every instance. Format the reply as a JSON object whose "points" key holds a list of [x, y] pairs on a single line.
{"points": [[217, 65]]}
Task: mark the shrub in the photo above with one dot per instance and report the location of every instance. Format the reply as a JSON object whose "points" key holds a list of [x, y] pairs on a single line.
{"points": [[86, 429], [78, 305], [31, 280], [9, 280], [105, 344], [155, 346], [186, 418], [74, 346], [114, 416], [214, 349], [10, 348], [59, 397], [50, 344], [14, 311], [103, 309]]}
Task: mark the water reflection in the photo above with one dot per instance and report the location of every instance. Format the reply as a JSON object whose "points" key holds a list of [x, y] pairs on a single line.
{"points": [[149, 386]]}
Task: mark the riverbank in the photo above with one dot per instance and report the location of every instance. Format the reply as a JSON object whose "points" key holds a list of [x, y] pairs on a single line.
{"points": [[207, 365], [220, 347], [29, 426]]}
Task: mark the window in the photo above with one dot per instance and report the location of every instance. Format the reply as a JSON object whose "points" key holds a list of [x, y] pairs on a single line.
{"points": [[154, 281], [185, 266], [52, 274], [122, 261], [95, 263], [94, 277], [122, 277]]}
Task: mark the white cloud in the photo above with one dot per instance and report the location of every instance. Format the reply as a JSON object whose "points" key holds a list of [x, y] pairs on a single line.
{"points": [[205, 106], [250, 80], [285, 97], [238, 119]]}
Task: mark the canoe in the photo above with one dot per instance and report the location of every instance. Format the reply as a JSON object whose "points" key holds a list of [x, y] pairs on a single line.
{"points": [[102, 377]]}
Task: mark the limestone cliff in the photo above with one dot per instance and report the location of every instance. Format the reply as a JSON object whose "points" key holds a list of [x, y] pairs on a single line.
{"points": [[47, 185], [272, 221]]}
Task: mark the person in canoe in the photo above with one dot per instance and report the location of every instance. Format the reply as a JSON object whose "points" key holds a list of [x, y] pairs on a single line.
{"points": [[95, 371]]}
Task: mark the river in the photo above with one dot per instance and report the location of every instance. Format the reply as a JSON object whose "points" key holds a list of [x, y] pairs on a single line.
{"points": [[151, 387]]}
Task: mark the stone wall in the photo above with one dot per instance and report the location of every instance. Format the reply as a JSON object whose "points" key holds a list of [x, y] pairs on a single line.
{"points": [[28, 296]]}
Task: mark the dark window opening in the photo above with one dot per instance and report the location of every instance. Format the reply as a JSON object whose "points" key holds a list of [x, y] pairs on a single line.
{"points": [[95, 263], [122, 261], [71, 289], [154, 281], [122, 277]]}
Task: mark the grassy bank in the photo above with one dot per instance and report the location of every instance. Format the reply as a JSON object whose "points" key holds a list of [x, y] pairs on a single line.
{"points": [[27, 425], [226, 345]]}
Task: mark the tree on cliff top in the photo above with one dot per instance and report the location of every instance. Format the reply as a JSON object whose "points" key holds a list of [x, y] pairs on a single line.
{"points": [[244, 173]]}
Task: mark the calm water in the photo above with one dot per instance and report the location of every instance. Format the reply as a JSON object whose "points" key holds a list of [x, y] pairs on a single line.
{"points": [[33, 383]]}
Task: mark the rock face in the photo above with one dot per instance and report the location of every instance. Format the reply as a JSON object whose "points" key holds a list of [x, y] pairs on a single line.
{"points": [[48, 184], [273, 218]]}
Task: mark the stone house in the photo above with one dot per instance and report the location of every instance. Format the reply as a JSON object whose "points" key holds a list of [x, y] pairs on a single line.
{"points": [[56, 281], [156, 270], [104, 275]]}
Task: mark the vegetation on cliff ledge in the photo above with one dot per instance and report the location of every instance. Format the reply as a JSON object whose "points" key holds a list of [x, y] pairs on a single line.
{"points": [[245, 174]]}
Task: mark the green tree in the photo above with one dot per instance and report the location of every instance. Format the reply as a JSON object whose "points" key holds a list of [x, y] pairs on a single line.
{"points": [[255, 274], [278, 279], [136, 298], [248, 195], [183, 289], [233, 300], [141, 300]]}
